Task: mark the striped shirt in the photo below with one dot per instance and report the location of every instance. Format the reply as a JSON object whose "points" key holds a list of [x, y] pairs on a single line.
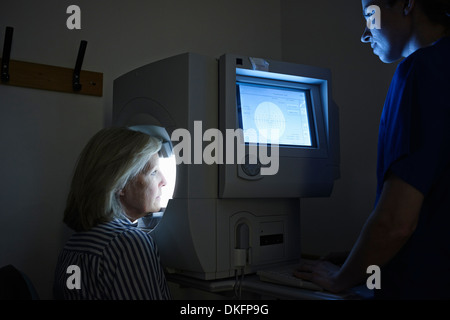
{"points": [[116, 261]]}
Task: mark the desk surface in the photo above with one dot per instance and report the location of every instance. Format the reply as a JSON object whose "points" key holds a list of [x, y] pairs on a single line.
{"points": [[253, 284]]}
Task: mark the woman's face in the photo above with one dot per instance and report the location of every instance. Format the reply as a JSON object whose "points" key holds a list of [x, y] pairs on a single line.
{"points": [[390, 40], [142, 194]]}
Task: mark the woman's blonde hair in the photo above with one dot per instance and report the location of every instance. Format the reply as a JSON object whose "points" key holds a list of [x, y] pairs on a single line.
{"points": [[111, 158]]}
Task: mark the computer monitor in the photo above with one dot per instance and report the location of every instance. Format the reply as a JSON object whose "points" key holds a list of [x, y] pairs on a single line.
{"points": [[272, 114], [273, 137], [287, 109]]}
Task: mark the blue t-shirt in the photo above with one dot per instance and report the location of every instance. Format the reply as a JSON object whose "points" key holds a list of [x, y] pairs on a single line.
{"points": [[414, 144]]}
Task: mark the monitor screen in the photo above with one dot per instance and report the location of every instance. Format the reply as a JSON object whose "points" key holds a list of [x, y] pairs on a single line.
{"points": [[274, 115]]}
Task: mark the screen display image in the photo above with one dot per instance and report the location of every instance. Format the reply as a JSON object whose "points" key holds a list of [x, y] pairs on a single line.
{"points": [[272, 114]]}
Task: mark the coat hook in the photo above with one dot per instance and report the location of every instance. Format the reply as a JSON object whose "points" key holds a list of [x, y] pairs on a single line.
{"points": [[6, 54], [76, 72]]}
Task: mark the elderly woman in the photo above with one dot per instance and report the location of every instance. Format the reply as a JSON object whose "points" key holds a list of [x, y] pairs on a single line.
{"points": [[117, 181]]}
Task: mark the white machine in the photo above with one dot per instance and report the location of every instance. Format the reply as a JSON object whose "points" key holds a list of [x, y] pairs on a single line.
{"points": [[253, 137]]}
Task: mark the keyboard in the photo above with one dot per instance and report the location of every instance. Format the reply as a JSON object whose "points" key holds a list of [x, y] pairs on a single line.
{"points": [[284, 276]]}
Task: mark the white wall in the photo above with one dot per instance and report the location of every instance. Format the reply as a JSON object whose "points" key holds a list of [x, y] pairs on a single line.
{"points": [[42, 133], [327, 33]]}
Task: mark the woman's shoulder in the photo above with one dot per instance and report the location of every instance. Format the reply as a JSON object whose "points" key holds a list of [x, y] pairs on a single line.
{"points": [[128, 234], [117, 233]]}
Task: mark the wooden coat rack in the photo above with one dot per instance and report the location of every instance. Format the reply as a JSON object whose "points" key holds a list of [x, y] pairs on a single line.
{"points": [[46, 77]]}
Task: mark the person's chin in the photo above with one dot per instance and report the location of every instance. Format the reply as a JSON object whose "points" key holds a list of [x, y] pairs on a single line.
{"points": [[157, 207], [386, 58]]}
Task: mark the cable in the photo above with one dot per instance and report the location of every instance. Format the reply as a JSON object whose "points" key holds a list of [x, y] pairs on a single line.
{"points": [[238, 283]]}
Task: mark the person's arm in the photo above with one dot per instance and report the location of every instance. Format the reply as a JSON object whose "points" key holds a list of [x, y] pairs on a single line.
{"points": [[385, 232]]}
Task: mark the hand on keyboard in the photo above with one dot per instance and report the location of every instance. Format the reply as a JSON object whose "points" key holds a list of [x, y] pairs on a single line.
{"points": [[285, 276], [318, 271]]}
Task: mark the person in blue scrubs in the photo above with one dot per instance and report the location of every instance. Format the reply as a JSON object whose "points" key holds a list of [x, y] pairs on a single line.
{"points": [[408, 233]]}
